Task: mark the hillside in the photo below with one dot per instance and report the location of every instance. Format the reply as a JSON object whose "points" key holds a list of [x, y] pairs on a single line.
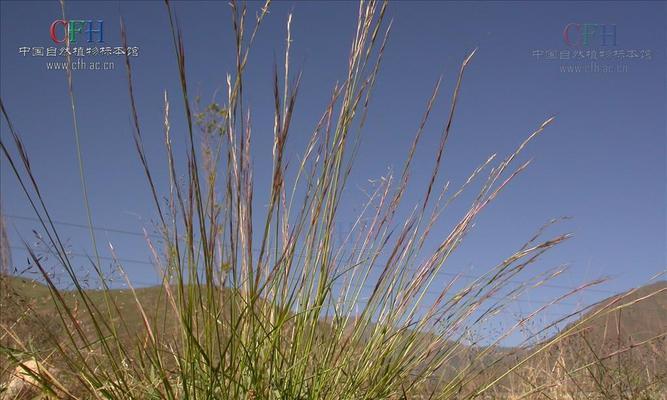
{"points": [[641, 316], [638, 316]]}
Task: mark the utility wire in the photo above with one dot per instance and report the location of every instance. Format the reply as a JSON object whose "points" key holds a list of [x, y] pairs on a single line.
{"points": [[127, 232]]}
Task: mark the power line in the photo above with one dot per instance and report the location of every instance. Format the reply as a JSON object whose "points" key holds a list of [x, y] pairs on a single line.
{"points": [[73, 254], [127, 232], [75, 225], [367, 286]]}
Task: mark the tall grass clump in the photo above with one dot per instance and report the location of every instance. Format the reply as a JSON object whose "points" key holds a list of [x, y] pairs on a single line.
{"points": [[263, 302]]}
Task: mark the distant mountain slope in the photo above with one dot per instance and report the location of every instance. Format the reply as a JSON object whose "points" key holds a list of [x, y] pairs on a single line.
{"points": [[642, 312], [637, 317], [640, 315]]}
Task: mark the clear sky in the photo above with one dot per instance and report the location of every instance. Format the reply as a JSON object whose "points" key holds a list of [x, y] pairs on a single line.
{"points": [[602, 162]]}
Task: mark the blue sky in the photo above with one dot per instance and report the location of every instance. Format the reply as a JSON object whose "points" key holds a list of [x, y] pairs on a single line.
{"points": [[602, 162]]}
